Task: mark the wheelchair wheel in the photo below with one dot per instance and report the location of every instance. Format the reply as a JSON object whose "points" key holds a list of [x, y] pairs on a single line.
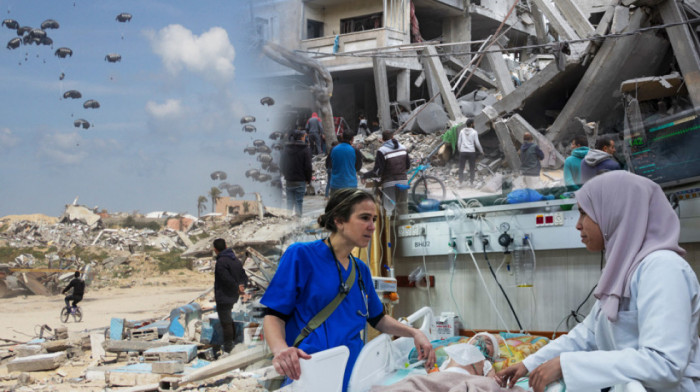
{"points": [[64, 315], [428, 187]]}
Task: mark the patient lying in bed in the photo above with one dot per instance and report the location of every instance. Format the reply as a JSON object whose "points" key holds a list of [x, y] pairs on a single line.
{"points": [[466, 370]]}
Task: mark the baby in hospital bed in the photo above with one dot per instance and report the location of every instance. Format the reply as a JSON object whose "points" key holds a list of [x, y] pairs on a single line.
{"points": [[468, 368]]}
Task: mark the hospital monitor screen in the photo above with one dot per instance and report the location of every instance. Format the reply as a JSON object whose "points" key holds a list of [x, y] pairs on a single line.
{"points": [[669, 151]]}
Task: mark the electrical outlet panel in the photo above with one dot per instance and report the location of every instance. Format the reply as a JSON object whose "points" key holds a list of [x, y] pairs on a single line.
{"points": [[412, 230]]}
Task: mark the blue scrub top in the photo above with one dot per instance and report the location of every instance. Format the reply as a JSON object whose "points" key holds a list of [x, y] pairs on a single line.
{"points": [[343, 173], [305, 282]]}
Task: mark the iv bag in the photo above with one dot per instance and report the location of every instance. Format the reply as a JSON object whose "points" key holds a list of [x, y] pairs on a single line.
{"points": [[524, 266]]}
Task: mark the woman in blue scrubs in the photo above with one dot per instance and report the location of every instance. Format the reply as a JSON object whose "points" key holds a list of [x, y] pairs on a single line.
{"points": [[644, 325], [309, 277]]}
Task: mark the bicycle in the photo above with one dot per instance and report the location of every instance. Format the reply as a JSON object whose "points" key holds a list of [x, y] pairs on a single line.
{"points": [[426, 186], [75, 311]]}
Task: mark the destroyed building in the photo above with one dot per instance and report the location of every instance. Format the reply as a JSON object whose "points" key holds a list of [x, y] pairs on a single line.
{"points": [[555, 69]]}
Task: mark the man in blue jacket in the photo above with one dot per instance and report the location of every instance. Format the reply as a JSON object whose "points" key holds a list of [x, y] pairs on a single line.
{"points": [[344, 161], [229, 282], [572, 164]]}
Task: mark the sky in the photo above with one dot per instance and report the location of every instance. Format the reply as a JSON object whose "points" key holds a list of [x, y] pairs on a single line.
{"points": [[169, 111]]}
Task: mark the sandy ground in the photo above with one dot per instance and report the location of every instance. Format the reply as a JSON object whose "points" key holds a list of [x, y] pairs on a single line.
{"points": [[26, 314]]}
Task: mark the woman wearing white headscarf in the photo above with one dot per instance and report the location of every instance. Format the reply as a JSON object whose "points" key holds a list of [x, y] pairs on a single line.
{"points": [[644, 325]]}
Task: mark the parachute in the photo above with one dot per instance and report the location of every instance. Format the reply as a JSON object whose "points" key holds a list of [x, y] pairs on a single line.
{"points": [[11, 24], [258, 142], [264, 149], [277, 146], [91, 104], [249, 128], [218, 175], [75, 94], [250, 150], [22, 30], [266, 158], [113, 57], [264, 177], [252, 173], [14, 43], [275, 135], [267, 101], [63, 52], [49, 24], [124, 17], [81, 123], [235, 190], [247, 119]]}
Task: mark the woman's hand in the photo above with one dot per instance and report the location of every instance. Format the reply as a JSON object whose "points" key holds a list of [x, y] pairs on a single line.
{"points": [[286, 362], [425, 349], [545, 374], [511, 375]]}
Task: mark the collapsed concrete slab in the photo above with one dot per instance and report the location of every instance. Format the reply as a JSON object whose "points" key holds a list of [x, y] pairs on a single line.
{"points": [[616, 61], [36, 363], [75, 213]]}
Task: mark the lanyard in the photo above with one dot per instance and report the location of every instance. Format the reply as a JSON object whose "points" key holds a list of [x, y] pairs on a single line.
{"points": [[343, 287]]}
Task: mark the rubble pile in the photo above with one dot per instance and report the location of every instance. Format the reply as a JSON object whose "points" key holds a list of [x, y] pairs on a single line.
{"points": [[181, 349]]}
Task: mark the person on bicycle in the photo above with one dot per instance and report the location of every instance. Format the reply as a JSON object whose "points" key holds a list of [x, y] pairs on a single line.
{"points": [[390, 165], [78, 286]]}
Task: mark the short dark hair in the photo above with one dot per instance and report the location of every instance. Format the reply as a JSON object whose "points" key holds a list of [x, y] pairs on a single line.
{"points": [[387, 135], [77, 274], [470, 122], [348, 136], [341, 205], [527, 136], [580, 141], [219, 244], [603, 141]]}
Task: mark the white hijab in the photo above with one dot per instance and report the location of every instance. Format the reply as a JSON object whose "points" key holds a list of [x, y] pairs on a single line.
{"points": [[636, 219]]}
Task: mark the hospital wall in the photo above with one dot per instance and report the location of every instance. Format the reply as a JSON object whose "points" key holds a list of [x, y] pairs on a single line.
{"points": [[562, 280]]}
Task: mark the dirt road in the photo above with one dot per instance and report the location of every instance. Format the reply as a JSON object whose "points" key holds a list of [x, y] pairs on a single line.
{"points": [[23, 315]]}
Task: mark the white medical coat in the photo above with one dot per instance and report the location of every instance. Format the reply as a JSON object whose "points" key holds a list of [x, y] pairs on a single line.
{"points": [[654, 341]]}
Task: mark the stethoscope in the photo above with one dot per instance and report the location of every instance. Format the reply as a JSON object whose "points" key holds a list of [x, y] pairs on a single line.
{"points": [[343, 287]]}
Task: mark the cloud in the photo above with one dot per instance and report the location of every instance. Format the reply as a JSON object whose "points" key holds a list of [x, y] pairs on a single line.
{"points": [[169, 109], [7, 139], [210, 55], [167, 119], [63, 148]]}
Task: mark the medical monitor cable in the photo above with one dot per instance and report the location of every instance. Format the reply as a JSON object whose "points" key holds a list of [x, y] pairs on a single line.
{"points": [[452, 295], [483, 281], [510, 305]]}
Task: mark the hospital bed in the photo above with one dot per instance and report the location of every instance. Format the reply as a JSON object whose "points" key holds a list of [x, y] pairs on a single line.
{"points": [[383, 361]]}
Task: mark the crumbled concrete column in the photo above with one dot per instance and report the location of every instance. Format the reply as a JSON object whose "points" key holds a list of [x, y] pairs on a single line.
{"points": [[506, 143]]}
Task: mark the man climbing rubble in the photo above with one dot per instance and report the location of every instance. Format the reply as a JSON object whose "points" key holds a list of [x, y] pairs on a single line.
{"points": [[229, 282], [78, 286]]}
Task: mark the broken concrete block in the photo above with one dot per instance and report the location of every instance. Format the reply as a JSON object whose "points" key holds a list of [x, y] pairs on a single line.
{"points": [[621, 19], [167, 367], [96, 341], [36, 363], [143, 334], [60, 332], [26, 350], [124, 346], [53, 346], [178, 352]]}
